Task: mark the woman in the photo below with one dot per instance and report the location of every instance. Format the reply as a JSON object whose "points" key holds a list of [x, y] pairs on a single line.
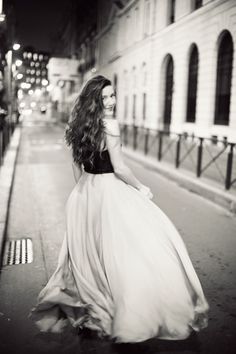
{"points": [[123, 269]]}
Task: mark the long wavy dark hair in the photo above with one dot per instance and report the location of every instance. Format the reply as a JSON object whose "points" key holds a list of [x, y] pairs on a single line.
{"points": [[85, 131]]}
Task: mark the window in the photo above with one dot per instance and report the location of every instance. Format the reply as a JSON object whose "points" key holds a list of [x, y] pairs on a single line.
{"points": [[223, 83], [197, 4], [115, 84], [172, 12], [144, 105], [147, 15], [144, 74], [192, 85], [126, 107], [168, 91], [127, 30], [134, 107], [134, 78], [136, 18]]}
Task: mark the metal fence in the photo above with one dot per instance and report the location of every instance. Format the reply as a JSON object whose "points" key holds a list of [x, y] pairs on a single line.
{"points": [[209, 157], [6, 131]]}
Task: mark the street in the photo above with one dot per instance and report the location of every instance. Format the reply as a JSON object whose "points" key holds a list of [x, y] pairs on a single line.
{"points": [[42, 184]]}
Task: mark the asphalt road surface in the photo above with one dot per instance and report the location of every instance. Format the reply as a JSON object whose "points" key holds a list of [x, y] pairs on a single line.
{"points": [[43, 181]]}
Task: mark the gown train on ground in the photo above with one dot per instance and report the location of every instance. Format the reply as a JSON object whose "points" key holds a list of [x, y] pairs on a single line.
{"points": [[123, 268]]}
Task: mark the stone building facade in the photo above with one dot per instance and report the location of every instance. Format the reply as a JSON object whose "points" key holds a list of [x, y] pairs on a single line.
{"points": [[172, 63]]}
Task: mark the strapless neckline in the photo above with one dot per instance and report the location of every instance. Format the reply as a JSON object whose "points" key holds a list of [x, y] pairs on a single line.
{"points": [[101, 163]]}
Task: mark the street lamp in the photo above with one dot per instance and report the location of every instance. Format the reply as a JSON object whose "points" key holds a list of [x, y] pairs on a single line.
{"points": [[16, 46], [18, 62]]}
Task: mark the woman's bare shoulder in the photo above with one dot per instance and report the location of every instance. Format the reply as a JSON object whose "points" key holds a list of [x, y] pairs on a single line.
{"points": [[111, 126]]}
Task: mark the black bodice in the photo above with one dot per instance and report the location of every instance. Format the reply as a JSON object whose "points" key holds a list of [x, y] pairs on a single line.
{"points": [[101, 163]]}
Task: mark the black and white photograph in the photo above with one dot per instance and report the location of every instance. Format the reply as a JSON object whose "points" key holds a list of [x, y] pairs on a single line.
{"points": [[117, 176]]}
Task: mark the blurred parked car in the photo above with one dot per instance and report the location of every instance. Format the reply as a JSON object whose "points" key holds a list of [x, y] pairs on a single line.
{"points": [[43, 109]]}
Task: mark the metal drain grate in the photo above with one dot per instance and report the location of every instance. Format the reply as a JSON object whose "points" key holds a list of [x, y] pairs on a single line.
{"points": [[18, 252]]}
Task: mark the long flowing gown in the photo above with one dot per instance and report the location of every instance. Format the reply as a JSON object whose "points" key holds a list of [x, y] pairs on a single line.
{"points": [[123, 268]]}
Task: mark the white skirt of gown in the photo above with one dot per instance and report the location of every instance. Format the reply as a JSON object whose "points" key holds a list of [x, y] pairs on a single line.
{"points": [[123, 268]]}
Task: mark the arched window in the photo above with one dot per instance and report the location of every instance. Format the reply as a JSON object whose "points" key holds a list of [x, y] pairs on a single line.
{"points": [[147, 17], [115, 84], [134, 107], [168, 91], [144, 74], [126, 107], [197, 4], [144, 85], [134, 78], [192, 85], [223, 83], [171, 11], [144, 105]]}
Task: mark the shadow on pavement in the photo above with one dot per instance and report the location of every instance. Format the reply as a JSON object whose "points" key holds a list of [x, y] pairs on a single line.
{"points": [[190, 345]]}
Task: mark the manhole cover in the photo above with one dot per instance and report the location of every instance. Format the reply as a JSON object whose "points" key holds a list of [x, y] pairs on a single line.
{"points": [[18, 252]]}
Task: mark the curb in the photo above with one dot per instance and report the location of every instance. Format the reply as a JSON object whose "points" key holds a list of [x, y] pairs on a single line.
{"points": [[7, 172], [204, 188]]}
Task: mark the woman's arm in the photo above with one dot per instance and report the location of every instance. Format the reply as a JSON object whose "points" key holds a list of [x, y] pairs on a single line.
{"points": [[77, 171], [116, 155]]}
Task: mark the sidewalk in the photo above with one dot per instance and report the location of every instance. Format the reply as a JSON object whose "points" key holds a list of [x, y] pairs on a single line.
{"points": [[204, 187], [7, 171]]}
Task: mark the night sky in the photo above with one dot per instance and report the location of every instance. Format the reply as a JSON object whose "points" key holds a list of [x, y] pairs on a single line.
{"points": [[37, 22]]}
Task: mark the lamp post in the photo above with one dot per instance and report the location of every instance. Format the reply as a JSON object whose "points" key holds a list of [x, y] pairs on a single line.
{"points": [[10, 81], [2, 16]]}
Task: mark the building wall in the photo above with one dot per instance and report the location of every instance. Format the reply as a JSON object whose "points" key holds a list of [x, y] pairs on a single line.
{"points": [[134, 44]]}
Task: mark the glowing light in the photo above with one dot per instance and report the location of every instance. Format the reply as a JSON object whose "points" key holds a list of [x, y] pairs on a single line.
{"points": [[49, 88], [31, 92], [16, 46], [18, 62], [19, 76], [20, 94], [44, 82], [38, 92], [33, 104], [93, 70], [2, 17], [22, 104], [25, 85]]}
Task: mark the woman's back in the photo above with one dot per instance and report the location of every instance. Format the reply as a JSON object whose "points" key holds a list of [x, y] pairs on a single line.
{"points": [[101, 163]]}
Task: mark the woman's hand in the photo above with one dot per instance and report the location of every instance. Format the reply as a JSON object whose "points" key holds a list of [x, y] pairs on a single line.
{"points": [[146, 191]]}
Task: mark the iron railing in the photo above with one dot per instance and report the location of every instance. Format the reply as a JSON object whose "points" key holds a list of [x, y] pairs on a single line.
{"points": [[209, 157]]}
